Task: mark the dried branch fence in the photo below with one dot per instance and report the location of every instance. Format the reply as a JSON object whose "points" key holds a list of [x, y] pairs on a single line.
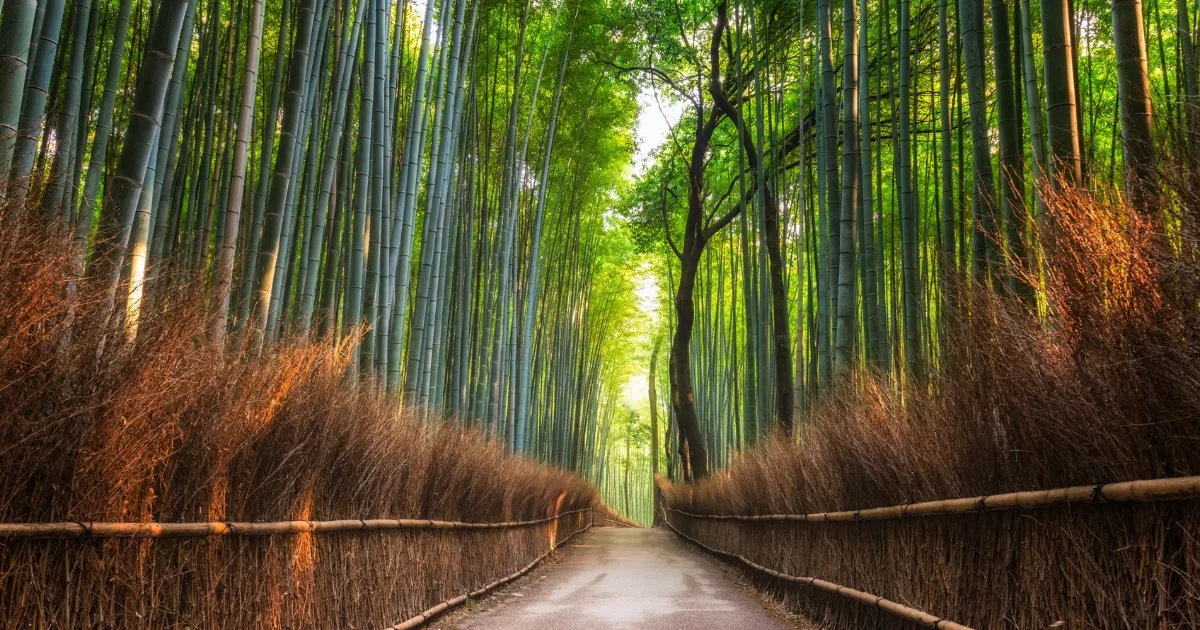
{"points": [[285, 574], [987, 561], [218, 528]]}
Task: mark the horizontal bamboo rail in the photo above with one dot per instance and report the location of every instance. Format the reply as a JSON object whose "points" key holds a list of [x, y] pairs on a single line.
{"points": [[886, 605], [430, 614], [218, 528], [1143, 491]]}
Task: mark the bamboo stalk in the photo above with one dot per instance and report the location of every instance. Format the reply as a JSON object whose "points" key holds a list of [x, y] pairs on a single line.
{"points": [[429, 614], [217, 528], [868, 599], [1142, 491]]}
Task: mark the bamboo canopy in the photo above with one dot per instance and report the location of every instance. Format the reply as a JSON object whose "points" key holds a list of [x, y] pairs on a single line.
{"points": [[1142, 491], [217, 528]]}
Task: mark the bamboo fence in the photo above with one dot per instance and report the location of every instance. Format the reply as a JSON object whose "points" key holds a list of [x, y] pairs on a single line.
{"points": [[1142, 491], [893, 608], [971, 591], [441, 608], [357, 579], [219, 528]]}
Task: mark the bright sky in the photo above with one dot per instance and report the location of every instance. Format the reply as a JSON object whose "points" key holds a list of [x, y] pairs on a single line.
{"points": [[655, 118], [416, 17], [656, 115], [636, 390]]}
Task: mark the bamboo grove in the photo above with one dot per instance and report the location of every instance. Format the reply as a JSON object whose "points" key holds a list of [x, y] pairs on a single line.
{"points": [[843, 175], [444, 188], [426, 181]]}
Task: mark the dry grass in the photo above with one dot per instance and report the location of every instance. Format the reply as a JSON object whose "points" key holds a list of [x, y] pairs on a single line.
{"points": [[1106, 387], [97, 426]]}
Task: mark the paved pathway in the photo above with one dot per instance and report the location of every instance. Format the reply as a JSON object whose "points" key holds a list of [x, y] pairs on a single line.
{"points": [[615, 578]]}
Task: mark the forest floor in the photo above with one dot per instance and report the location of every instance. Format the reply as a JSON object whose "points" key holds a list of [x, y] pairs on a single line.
{"points": [[616, 578]]}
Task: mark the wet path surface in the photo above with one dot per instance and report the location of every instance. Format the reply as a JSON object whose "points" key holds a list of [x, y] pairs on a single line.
{"points": [[625, 578]]}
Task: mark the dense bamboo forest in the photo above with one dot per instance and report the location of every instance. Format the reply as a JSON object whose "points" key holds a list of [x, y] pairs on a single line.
{"points": [[464, 196], [833, 202], [429, 180]]}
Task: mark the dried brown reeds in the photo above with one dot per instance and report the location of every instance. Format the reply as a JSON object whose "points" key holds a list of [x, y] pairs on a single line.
{"points": [[1103, 385], [97, 424]]}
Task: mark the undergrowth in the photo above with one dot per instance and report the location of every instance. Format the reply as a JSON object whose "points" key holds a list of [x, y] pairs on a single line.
{"points": [[100, 424]]}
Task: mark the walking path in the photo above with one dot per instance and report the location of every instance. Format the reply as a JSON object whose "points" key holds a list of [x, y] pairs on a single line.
{"points": [[618, 578]]}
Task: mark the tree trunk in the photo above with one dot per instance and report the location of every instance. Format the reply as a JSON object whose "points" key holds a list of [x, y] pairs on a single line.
{"points": [[1012, 147], [1133, 83], [1191, 85], [344, 74], [269, 245], [654, 424], [947, 269], [913, 305], [847, 329], [1037, 139], [1063, 129], [871, 247], [64, 160], [984, 180], [683, 398], [33, 106], [223, 271], [15, 35], [125, 186], [831, 209]]}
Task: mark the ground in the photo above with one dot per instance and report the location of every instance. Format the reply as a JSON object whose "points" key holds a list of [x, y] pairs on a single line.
{"points": [[636, 579]]}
